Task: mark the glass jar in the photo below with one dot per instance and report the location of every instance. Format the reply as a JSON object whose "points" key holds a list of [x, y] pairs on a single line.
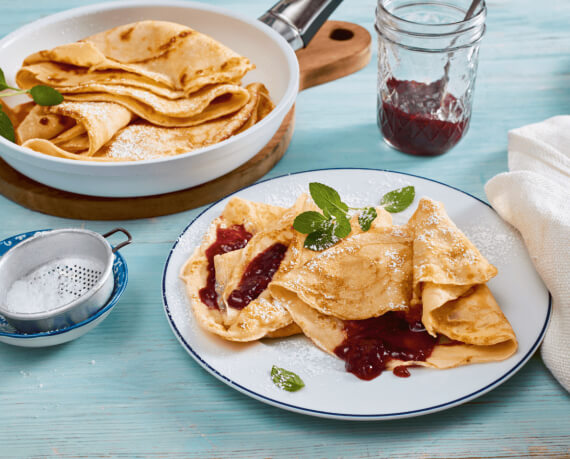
{"points": [[427, 64]]}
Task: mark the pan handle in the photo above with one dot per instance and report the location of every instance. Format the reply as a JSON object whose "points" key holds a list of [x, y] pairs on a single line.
{"points": [[299, 20]]}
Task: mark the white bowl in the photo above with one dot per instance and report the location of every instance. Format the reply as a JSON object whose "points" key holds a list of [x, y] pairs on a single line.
{"points": [[276, 67]]}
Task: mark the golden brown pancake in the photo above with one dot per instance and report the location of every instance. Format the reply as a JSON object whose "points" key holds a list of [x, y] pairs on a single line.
{"points": [[363, 276], [95, 123], [449, 278], [208, 103], [260, 317], [332, 287], [425, 269], [177, 89], [163, 53], [102, 131]]}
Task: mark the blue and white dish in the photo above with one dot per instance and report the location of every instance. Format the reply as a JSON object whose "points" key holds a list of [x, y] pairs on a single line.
{"points": [[329, 390], [10, 335]]}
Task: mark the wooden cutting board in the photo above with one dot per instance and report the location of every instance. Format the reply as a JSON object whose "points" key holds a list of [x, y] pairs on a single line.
{"points": [[337, 50]]}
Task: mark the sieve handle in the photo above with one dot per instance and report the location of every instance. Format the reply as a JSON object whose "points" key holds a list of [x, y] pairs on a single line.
{"points": [[122, 244]]}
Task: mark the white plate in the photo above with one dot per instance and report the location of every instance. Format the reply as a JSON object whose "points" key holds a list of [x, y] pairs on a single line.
{"points": [[276, 67], [329, 390]]}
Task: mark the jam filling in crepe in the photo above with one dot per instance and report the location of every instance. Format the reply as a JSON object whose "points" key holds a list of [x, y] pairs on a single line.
{"points": [[145, 90], [388, 298], [227, 275], [450, 317]]}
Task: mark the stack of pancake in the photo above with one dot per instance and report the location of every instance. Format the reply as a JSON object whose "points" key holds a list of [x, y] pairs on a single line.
{"points": [[145, 90], [426, 268]]}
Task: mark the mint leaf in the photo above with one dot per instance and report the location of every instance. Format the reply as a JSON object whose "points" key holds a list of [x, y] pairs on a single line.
{"points": [[6, 128], [398, 200], [366, 218], [327, 199], [341, 227], [3, 84], [46, 96], [309, 221], [321, 239], [286, 380]]}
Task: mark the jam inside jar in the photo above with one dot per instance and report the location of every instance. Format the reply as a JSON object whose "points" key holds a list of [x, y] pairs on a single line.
{"points": [[420, 118], [427, 66]]}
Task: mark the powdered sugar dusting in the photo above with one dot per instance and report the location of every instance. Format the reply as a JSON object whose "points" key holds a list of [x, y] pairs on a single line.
{"points": [[492, 240], [299, 354]]}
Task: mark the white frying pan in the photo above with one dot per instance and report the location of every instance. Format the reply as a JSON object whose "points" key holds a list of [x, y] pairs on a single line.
{"points": [[276, 67]]}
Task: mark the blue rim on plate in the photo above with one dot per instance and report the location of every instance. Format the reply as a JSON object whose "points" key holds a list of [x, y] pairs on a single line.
{"points": [[120, 275], [309, 411]]}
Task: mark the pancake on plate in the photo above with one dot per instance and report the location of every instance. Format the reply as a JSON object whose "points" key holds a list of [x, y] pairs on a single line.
{"points": [[241, 232], [387, 298], [240, 306], [404, 296]]}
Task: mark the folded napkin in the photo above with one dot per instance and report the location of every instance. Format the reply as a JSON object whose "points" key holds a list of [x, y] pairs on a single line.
{"points": [[535, 198]]}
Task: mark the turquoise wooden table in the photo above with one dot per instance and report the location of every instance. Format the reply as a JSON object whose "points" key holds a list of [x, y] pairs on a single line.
{"points": [[129, 389]]}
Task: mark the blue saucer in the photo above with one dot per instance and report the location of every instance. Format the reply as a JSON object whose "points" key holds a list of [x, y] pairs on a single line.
{"points": [[10, 335]]}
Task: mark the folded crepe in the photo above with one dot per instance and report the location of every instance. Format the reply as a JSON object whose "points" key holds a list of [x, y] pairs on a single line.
{"points": [[146, 54], [427, 265], [208, 103], [102, 131], [450, 276], [258, 318], [244, 309], [363, 276], [139, 91], [72, 128]]}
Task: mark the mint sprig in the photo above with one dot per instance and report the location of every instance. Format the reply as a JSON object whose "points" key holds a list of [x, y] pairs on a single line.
{"points": [[42, 95], [45, 95], [286, 380], [327, 198], [6, 128], [326, 229], [366, 218], [398, 200]]}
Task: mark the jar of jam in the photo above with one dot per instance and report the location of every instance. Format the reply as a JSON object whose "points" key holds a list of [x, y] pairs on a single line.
{"points": [[427, 64]]}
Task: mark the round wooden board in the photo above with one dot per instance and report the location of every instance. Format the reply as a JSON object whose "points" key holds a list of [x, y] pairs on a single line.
{"points": [[337, 50]]}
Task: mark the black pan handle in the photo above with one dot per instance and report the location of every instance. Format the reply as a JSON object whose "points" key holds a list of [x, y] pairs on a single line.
{"points": [[299, 20]]}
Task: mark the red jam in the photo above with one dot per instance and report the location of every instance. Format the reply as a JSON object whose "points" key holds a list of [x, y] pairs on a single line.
{"points": [[401, 371], [416, 119], [227, 240], [371, 343], [257, 276]]}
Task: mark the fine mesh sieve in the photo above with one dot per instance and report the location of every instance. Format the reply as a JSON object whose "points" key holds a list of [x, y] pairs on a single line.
{"points": [[57, 278]]}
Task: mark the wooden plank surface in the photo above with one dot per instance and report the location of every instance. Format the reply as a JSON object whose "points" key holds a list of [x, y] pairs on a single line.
{"points": [[128, 389]]}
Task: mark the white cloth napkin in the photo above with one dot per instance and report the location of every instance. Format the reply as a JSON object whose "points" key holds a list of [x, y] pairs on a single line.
{"points": [[534, 197]]}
